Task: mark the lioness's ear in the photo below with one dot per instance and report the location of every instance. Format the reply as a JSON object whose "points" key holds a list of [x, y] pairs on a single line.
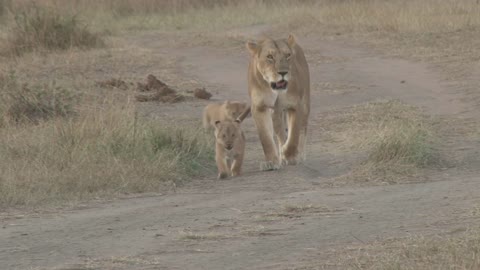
{"points": [[217, 122], [291, 40], [252, 47]]}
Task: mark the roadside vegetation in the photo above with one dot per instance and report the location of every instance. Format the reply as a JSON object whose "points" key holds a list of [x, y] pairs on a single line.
{"points": [[54, 149], [457, 251]]}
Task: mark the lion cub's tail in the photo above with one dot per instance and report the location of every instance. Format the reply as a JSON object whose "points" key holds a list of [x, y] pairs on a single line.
{"points": [[206, 119], [244, 115]]}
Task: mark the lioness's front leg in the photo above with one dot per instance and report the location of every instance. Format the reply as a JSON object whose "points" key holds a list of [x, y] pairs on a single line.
{"points": [[263, 121], [279, 126], [290, 148]]}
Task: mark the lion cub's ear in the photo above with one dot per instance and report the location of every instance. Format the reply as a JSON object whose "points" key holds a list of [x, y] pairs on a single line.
{"points": [[291, 40], [252, 47]]}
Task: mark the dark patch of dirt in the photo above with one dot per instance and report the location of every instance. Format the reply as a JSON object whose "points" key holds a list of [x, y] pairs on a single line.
{"points": [[158, 91], [201, 93]]}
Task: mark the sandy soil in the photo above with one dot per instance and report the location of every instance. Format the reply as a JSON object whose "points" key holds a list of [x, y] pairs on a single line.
{"points": [[262, 220]]}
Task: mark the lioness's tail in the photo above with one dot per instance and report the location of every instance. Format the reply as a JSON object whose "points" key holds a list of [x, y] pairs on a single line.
{"points": [[244, 115]]}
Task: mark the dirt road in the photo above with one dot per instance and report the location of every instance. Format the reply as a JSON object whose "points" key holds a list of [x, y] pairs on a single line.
{"points": [[262, 220]]}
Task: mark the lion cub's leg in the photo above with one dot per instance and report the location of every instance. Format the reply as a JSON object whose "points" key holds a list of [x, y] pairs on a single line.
{"points": [[221, 159], [263, 121], [290, 148], [238, 156]]}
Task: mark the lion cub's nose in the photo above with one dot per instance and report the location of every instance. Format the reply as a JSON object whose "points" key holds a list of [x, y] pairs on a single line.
{"points": [[283, 73]]}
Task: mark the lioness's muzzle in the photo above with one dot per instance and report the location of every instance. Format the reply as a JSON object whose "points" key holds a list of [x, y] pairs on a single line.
{"points": [[280, 85]]}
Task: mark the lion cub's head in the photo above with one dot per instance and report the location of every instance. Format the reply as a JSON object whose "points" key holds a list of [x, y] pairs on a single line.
{"points": [[272, 58], [227, 132], [234, 108]]}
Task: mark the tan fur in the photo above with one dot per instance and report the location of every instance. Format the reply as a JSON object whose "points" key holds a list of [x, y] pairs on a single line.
{"points": [[229, 110], [273, 62], [229, 148]]}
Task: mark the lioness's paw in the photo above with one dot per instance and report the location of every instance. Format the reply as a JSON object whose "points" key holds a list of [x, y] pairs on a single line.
{"points": [[269, 166], [222, 175], [289, 155], [291, 161]]}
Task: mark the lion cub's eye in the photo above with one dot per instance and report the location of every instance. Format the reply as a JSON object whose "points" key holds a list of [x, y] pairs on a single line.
{"points": [[224, 136], [288, 55], [270, 57]]}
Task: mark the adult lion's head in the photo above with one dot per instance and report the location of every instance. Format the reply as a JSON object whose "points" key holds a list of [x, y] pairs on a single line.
{"points": [[273, 59]]}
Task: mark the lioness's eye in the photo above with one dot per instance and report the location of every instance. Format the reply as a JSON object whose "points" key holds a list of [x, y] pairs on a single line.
{"points": [[288, 55], [270, 57], [224, 136]]}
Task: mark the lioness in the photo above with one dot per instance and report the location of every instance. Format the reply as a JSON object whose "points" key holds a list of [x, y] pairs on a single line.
{"points": [[229, 148], [229, 110], [279, 89]]}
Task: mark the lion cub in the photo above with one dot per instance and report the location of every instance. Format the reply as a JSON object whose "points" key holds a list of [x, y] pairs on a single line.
{"points": [[229, 110], [229, 148]]}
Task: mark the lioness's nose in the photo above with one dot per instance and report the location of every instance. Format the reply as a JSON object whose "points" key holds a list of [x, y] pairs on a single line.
{"points": [[283, 73]]}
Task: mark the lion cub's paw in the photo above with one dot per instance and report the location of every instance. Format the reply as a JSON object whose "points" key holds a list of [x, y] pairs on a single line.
{"points": [[222, 175], [269, 166]]}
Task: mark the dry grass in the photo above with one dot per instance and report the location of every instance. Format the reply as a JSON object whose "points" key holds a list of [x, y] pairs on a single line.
{"points": [[41, 28], [104, 151], [396, 138], [428, 25], [426, 253], [374, 15], [21, 103], [186, 235]]}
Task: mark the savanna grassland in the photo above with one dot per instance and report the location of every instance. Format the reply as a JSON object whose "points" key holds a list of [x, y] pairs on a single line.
{"points": [[73, 129]]}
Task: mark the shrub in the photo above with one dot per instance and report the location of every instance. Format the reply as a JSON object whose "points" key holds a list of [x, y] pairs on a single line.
{"points": [[21, 102], [42, 28]]}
